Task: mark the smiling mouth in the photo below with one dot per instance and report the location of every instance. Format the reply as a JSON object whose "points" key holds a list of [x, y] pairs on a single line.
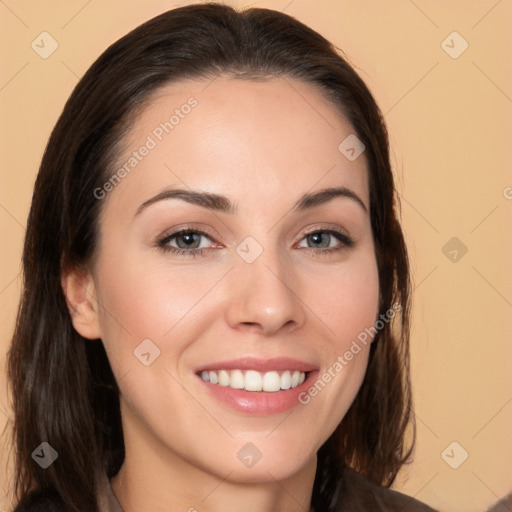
{"points": [[252, 380]]}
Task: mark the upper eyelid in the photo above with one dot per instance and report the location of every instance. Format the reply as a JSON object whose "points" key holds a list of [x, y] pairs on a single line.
{"points": [[186, 229], [325, 227]]}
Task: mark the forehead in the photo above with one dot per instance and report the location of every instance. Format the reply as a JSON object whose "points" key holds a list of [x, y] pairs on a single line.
{"points": [[265, 139]]}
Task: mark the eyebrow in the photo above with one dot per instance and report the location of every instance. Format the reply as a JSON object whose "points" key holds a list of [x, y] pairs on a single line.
{"points": [[223, 204]]}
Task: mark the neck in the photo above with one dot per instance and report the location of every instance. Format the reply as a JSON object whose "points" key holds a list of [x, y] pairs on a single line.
{"points": [[150, 488], [153, 477], [141, 494]]}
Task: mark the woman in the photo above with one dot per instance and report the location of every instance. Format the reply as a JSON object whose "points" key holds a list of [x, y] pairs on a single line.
{"points": [[216, 302]]}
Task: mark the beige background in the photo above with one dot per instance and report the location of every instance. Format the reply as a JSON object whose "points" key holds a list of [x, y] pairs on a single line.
{"points": [[450, 121]]}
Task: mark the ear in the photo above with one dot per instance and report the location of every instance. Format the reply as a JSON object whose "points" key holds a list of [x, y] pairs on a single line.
{"points": [[80, 292]]}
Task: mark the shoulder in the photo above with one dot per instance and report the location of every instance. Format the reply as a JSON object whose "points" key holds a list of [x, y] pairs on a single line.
{"points": [[41, 501], [504, 505], [360, 495]]}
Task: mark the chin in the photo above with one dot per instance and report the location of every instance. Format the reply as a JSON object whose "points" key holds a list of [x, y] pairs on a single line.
{"points": [[256, 467]]}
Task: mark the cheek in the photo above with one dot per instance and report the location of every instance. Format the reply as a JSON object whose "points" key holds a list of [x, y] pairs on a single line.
{"points": [[140, 301], [346, 299]]}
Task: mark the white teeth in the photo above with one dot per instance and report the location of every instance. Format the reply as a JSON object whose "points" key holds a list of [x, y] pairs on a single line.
{"points": [[271, 381], [224, 378], [251, 380], [286, 380], [237, 380]]}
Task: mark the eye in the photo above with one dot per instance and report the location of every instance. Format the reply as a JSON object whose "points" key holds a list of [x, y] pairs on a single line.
{"points": [[326, 240], [194, 242], [189, 242]]}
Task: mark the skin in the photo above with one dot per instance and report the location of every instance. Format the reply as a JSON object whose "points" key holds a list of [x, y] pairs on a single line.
{"points": [[263, 144]]}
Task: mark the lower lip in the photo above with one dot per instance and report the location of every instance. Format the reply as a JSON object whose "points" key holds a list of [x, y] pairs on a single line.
{"points": [[259, 403]]}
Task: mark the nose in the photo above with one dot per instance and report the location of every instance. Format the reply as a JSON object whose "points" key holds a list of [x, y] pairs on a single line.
{"points": [[264, 297]]}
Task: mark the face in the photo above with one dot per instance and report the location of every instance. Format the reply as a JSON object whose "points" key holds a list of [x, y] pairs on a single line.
{"points": [[230, 290]]}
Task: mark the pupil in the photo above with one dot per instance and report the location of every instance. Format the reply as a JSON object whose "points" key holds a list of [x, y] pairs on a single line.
{"points": [[317, 238], [188, 239]]}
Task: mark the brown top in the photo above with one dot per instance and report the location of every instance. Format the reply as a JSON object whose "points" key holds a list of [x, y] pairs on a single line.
{"points": [[504, 505], [354, 494], [113, 504], [357, 494]]}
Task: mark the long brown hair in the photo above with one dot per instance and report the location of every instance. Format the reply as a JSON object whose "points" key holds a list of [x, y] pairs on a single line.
{"points": [[63, 389]]}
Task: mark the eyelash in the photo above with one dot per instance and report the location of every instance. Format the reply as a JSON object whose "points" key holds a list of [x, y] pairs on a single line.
{"points": [[346, 242]]}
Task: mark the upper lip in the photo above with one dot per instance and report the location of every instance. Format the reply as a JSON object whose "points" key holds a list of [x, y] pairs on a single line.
{"points": [[261, 365]]}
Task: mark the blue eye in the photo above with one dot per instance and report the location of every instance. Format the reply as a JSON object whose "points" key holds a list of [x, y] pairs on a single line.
{"points": [[327, 241], [185, 242], [192, 242]]}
